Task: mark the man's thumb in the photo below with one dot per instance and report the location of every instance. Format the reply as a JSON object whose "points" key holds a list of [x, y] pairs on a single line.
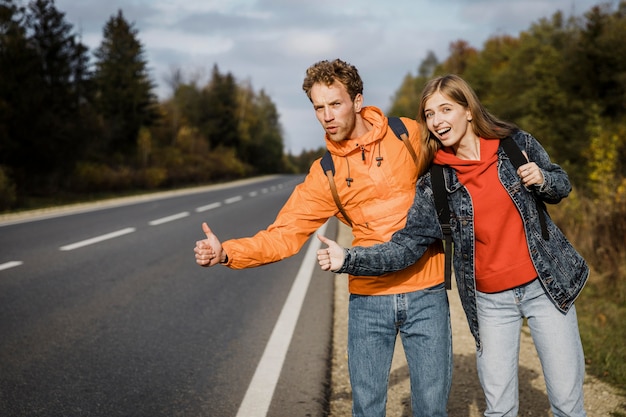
{"points": [[206, 229]]}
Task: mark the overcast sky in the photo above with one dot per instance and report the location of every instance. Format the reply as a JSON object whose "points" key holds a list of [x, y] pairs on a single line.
{"points": [[270, 43]]}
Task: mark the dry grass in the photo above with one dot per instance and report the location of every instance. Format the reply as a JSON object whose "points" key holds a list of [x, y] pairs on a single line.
{"points": [[597, 228]]}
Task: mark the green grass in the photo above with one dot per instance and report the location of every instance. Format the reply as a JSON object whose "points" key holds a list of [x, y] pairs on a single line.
{"points": [[597, 231], [602, 321]]}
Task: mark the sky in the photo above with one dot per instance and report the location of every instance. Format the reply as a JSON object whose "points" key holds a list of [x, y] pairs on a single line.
{"points": [[271, 43]]}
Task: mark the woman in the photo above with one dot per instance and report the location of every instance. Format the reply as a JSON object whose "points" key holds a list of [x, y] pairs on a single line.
{"points": [[505, 270]]}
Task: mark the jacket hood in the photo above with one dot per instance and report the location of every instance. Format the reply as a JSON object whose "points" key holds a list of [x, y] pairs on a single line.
{"points": [[376, 118]]}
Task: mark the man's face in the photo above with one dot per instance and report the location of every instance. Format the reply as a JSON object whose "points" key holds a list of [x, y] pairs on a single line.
{"points": [[335, 110]]}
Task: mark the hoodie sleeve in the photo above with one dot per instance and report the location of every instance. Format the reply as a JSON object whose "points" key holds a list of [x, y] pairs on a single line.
{"points": [[307, 209]]}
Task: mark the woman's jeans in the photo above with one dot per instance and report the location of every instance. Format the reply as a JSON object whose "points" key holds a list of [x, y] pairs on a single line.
{"points": [[423, 320], [556, 339]]}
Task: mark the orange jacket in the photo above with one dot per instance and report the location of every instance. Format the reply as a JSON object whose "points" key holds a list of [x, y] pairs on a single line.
{"points": [[377, 201]]}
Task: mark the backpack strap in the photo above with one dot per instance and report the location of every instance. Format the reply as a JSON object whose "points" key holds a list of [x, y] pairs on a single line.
{"points": [[329, 169], [517, 159], [443, 213], [399, 129]]}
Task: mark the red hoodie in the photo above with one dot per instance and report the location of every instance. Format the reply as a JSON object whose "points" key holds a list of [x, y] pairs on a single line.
{"points": [[502, 260]]}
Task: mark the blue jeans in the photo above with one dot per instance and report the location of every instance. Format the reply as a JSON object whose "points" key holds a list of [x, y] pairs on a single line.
{"points": [[423, 320], [556, 339]]}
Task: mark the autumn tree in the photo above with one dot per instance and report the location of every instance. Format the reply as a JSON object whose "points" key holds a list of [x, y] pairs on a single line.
{"points": [[264, 148], [461, 55]]}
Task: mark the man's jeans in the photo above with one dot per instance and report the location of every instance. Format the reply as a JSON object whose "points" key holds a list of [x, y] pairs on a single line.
{"points": [[556, 339], [423, 320]]}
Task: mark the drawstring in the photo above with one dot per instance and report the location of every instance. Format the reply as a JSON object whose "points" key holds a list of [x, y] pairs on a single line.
{"points": [[349, 179], [379, 159]]}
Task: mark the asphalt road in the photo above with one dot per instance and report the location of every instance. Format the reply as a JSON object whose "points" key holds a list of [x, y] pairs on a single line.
{"points": [[103, 311]]}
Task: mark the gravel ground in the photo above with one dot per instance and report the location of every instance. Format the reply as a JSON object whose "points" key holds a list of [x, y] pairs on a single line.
{"points": [[466, 399]]}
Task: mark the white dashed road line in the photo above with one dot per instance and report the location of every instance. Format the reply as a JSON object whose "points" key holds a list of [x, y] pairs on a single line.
{"points": [[233, 200], [208, 207], [156, 222], [169, 218], [98, 239], [11, 264]]}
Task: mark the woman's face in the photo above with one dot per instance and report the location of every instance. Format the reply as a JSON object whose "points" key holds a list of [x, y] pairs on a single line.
{"points": [[447, 120]]}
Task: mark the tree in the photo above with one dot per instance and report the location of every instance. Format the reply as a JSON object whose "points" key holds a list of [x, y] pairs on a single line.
{"points": [[18, 74], [461, 53], [44, 89], [428, 65], [600, 59], [220, 124], [264, 150], [16, 62], [125, 100], [487, 68]]}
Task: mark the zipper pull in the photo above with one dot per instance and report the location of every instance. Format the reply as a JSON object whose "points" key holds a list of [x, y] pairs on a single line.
{"points": [[362, 153]]}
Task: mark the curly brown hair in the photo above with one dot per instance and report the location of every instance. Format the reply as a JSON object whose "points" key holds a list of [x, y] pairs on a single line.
{"points": [[327, 72]]}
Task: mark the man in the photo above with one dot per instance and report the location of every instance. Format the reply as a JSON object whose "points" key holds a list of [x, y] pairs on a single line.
{"points": [[375, 180]]}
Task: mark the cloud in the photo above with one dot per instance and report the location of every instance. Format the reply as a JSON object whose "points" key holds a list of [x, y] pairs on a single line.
{"points": [[270, 43], [186, 43]]}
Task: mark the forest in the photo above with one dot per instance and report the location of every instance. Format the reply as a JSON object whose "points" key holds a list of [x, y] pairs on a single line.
{"points": [[73, 128]]}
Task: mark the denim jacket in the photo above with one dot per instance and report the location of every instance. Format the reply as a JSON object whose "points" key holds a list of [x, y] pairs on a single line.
{"points": [[560, 268]]}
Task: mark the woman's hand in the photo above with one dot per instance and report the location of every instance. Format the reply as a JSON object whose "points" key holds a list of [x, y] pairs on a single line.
{"points": [[530, 174], [332, 257]]}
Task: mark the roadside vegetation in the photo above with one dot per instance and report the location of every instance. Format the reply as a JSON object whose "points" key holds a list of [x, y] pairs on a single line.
{"points": [[78, 124]]}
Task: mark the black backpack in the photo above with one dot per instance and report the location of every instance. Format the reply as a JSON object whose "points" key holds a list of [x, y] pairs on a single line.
{"points": [[443, 209]]}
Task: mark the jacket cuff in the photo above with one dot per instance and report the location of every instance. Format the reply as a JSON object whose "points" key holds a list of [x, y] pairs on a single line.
{"points": [[346, 262], [225, 261]]}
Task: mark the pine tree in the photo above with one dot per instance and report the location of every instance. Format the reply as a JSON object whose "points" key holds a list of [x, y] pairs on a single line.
{"points": [[18, 67], [125, 99], [41, 88], [270, 150], [221, 116]]}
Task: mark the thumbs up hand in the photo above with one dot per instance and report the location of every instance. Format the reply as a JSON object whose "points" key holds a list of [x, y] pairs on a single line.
{"points": [[209, 251]]}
